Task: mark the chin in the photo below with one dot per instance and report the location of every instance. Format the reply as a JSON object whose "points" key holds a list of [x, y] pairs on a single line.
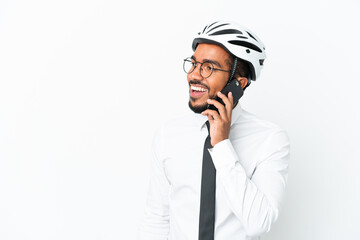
{"points": [[198, 108]]}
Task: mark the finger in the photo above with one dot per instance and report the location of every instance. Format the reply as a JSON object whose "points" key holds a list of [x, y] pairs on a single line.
{"points": [[214, 114], [228, 103], [231, 99], [219, 106], [211, 119]]}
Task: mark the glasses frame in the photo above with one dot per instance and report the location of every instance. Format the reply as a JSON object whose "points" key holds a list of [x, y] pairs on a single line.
{"points": [[189, 59]]}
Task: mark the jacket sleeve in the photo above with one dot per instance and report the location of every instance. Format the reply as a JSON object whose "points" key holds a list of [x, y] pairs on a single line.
{"points": [[155, 223], [255, 200]]}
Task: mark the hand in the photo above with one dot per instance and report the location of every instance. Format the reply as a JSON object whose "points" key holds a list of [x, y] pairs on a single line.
{"points": [[220, 122]]}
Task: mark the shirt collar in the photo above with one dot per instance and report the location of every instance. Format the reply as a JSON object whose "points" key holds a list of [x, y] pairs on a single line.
{"points": [[200, 119]]}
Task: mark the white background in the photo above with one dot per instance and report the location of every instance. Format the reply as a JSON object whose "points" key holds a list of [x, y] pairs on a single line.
{"points": [[84, 85]]}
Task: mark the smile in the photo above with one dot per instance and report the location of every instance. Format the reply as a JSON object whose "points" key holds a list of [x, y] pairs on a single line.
{"points": [[197, 91]]}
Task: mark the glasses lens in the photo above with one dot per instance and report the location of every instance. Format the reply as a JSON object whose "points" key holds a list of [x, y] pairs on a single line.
{"points": [[206, 69], [189, 65]]}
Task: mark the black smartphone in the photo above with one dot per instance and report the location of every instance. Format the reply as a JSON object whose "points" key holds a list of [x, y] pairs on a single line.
{"points": [[234, 87]]}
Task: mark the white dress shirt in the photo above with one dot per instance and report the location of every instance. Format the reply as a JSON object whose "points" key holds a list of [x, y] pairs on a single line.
{"points": [[251, 172]]}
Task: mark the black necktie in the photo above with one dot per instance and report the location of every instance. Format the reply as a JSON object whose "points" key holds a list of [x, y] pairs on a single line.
{"points": [[207, 199]]}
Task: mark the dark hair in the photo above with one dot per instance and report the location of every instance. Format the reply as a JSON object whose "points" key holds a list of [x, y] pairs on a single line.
{"points": [[242, 68]]}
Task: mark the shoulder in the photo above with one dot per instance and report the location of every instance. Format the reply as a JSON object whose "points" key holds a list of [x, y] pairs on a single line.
{"points": [[175, 127], [250, 126], [256, 140], [174, 134], [175, 124]]}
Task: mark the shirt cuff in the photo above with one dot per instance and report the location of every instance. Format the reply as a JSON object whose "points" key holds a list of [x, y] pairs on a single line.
{"points": [[223, 155]]}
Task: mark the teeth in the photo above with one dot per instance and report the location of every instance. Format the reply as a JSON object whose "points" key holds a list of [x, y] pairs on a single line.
{"points": [[199, 89]]}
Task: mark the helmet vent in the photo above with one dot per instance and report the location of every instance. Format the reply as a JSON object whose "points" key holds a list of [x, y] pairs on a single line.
{"points": [[261, 61], [252, 36], [241, 37], [210, 25], [226, 31], [217, 27], [204, 29], [245, 44]]}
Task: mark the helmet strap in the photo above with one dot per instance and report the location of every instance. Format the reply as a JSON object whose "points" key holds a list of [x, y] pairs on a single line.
{"points": [[233, 69]]}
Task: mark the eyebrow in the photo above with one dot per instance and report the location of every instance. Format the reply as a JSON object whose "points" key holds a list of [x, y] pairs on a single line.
{"points": [[216, 63]]}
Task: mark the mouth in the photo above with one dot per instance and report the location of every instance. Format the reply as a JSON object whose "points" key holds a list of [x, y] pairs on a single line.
{"points": [[197, 91]]}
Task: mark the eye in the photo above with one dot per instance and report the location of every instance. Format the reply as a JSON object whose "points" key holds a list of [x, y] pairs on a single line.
{"points": [[208, 67], [189, 65]]}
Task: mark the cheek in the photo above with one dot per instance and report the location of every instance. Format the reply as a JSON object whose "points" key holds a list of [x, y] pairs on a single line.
{"points": [[216, 87]]}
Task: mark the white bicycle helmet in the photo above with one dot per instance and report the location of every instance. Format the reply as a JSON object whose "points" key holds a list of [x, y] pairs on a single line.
{"points": [[237, 40]]}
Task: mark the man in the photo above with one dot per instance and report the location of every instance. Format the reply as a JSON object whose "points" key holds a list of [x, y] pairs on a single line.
{"points": [[249, 156]]}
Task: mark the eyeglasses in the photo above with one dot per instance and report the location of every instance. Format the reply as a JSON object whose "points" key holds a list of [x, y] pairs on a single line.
{"points": [[206, 68]]}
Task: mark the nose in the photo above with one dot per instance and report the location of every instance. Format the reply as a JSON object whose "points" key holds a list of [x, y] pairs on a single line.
{"points": [[196, 73]]}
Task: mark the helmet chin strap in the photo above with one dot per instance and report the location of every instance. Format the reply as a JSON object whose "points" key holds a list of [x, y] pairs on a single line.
{"points": [[233, 69], [233, 73]]}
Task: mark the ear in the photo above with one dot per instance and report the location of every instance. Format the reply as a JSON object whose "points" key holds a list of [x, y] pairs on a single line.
{"points": [[242, 80]]}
